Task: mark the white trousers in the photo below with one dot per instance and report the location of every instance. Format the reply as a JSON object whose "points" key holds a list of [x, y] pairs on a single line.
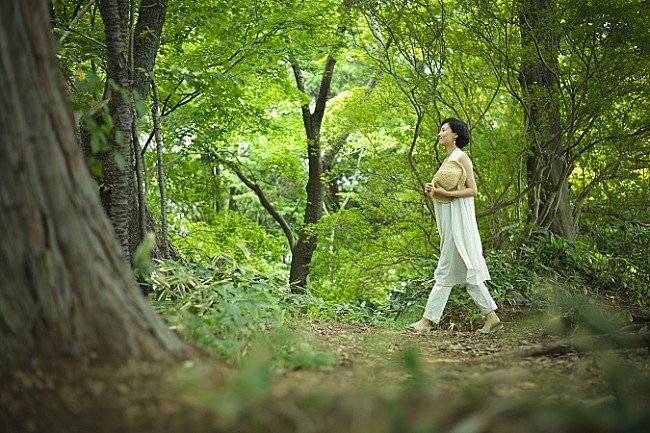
{"points": [[440, 294]]}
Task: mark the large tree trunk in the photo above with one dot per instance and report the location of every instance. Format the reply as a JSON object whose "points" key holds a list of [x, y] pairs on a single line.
{"points": [[65, 289], [547, 167]]}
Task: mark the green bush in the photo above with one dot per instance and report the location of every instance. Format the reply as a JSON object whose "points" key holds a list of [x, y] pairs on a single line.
{"points": [[232, 234], [625, 247], [225, 309]]}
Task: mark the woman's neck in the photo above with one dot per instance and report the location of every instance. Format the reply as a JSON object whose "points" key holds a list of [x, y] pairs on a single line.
{"points": [[450, 149]]}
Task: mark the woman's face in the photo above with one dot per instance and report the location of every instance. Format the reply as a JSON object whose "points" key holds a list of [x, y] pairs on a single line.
{"points": [[446, 136]]}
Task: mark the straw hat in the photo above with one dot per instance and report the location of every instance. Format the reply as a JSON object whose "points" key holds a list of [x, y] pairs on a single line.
{"points": [[451, 176]]}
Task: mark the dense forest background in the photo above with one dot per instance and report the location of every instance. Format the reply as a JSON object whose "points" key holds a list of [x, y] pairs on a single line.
{"points": [[287, 142], [290, 140]]}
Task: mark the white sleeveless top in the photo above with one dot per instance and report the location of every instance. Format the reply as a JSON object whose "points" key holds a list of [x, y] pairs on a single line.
{"points": [[461, 253]]}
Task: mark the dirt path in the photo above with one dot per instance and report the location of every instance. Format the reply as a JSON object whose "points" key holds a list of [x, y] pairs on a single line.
{"points": [[385, 381], [508, 363]]}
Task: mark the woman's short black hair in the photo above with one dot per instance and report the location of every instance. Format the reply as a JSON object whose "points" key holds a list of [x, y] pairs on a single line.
{"points": [[460, 128]]}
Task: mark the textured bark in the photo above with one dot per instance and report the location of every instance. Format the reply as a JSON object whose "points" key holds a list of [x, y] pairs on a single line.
{"points": [[65, 289], [308, 238], [148, 29], [119, 197], [547, 167], [119, 188]]}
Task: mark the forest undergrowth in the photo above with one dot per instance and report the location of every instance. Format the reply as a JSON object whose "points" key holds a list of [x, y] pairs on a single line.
{"points": [[569, 358], [532, 376], [572, 356]]}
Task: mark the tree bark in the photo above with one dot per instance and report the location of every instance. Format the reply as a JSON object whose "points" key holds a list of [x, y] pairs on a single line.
{"points": [[549, 203], [119, 193], [66, 291], [119, 197], [148, 29], [308, 237]]}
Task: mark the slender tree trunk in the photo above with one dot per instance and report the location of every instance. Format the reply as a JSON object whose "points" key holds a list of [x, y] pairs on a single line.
{"points": [[148, 29], [308, 237], [146, 42], [155, 114], [119, 197], [65, 288], [548, 171]]}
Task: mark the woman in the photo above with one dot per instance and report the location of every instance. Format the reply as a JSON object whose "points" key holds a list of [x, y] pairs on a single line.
{"points": [[461, 253]]}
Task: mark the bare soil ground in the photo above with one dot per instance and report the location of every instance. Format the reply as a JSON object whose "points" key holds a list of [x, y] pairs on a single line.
{"points": [[517, 380]]}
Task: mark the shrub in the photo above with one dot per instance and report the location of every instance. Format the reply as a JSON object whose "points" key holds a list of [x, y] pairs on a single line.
{"points": [[225, 309]]}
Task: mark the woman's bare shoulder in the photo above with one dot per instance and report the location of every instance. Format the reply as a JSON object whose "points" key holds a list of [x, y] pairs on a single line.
{"points": [[464, 158]]}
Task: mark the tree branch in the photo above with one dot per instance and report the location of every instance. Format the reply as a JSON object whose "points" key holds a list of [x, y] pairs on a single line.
{"points": [[266, 203]]}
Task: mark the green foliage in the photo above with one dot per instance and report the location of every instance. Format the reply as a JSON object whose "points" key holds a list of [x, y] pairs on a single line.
{"points": [[359, 260], [376, 242], [316, 308], [229, 95], [226, 310], [510, 274], [622, 257], [417, 378], [589, 268], [142, 264], [294, 349], [220, 308], [230, 234]]}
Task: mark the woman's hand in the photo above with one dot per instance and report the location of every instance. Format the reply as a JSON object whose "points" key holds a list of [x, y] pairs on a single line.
{"points": [[436, 189]]}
